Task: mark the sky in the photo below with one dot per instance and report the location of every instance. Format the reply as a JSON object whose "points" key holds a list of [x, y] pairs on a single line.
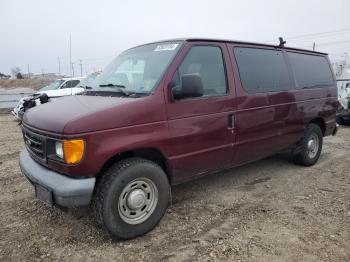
{"points": [[37, 32]]}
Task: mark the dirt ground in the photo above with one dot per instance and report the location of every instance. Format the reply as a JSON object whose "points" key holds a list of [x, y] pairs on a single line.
{"points": [[34, 83], [270, 210]]}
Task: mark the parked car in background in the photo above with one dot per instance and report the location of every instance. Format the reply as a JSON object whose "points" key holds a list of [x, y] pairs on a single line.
{"points": [[168, 112], [59, 88], [63, 87], [343, 114]]}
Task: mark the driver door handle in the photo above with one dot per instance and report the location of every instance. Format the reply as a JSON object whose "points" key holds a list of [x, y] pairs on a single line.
{"points": [[231, 121]]}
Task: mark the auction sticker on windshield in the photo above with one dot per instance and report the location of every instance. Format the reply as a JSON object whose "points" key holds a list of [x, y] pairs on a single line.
{"points": [[166, 47]]}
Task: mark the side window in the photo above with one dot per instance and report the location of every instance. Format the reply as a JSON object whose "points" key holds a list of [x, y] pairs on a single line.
{"points": [[64, 85], [310, 71], [208, 62], [262, 70], [70, 84], [74, 83]]}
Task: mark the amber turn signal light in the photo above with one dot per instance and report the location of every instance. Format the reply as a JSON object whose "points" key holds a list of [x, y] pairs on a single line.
{"points": [[73, 150]]}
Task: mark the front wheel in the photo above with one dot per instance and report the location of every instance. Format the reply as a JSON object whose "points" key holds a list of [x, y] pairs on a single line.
{"points": [[340, 120], [310, 146], [132, 197]]}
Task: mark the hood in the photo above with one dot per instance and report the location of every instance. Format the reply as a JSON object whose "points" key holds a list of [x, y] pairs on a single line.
{"points": [[81, 114]]}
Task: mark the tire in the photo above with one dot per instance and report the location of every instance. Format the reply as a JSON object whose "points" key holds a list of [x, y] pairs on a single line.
{"points": [[340, 120], [309, 152], [132, 197]]}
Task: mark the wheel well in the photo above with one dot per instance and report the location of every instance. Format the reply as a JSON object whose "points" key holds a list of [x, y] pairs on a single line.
{"points": [[151, 154], [320, 123]]}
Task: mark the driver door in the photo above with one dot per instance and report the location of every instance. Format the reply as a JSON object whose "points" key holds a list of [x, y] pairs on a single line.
{"points": [[202, 128]]}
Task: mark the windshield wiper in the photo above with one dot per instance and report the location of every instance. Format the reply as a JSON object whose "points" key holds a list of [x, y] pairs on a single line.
{"points": [[315, 86], [103, 93], [112, 85], [120, 88], [136, 94], [107, 92]]}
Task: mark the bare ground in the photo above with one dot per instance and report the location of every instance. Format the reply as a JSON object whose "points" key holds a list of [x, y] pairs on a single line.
{"points": [[270, 210], [34, 83]]}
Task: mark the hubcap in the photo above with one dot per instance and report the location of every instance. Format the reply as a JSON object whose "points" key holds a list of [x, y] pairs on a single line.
{"points": [[137, 201], [312, 146]]}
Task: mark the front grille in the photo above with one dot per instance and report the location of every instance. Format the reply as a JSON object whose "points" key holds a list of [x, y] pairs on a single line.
{"points": [[35, 144]]}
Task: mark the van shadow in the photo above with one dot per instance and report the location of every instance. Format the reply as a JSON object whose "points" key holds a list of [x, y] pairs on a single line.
{"points": [[244, 177]]}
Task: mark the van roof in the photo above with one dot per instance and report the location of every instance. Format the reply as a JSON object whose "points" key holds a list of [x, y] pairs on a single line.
{"points": [[237, 42], [72, 78]]}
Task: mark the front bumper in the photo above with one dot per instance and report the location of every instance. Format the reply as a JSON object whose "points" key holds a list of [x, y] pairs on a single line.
{"points": [[66, 191]]}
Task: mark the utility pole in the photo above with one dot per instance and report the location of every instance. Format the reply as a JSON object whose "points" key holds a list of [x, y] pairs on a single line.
{"points": [[70, 55], [345, 58], [59, 66], [81, 67], [42, 72], [28, 70], [314, 46], [72, 70]]}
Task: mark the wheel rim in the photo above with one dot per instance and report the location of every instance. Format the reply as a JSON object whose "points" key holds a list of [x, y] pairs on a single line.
{"points": [[313, 146], [137, 201]]}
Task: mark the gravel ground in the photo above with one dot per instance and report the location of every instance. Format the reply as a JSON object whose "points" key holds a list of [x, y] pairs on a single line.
{"points": [[270, 210]]}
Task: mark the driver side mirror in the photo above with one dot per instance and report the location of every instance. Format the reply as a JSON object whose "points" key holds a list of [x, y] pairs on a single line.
{"points": [[191, 87]]}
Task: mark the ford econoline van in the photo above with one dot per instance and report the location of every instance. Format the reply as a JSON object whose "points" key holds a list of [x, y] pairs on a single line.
{"points": [[167, 112]]}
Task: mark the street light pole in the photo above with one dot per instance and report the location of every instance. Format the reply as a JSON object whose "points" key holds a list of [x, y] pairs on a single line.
{"points": [[59, 66], [70, 55], [81, 67], [28, 70]]}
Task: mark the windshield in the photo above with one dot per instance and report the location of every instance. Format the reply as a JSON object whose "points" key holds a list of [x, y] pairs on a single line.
{"points": [[87, 81], [53, 86], [137, 70]]}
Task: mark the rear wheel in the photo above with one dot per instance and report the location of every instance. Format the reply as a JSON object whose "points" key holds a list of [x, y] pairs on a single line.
{"points": [[132, 197], [310, 146]]}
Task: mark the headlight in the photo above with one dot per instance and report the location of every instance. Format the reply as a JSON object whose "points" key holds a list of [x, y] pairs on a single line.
{"points": [[71, 151], [59, 149]]}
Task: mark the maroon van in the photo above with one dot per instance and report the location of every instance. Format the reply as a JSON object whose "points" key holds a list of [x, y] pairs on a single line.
{"points": [[168, 112]]}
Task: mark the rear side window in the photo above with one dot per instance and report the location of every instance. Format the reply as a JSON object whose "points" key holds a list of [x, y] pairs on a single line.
{"points": [[262, 70], [310, 71]]}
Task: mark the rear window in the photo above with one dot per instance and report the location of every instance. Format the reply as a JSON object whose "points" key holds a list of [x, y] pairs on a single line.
{"points": [[310, 71], [262, 70]]}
